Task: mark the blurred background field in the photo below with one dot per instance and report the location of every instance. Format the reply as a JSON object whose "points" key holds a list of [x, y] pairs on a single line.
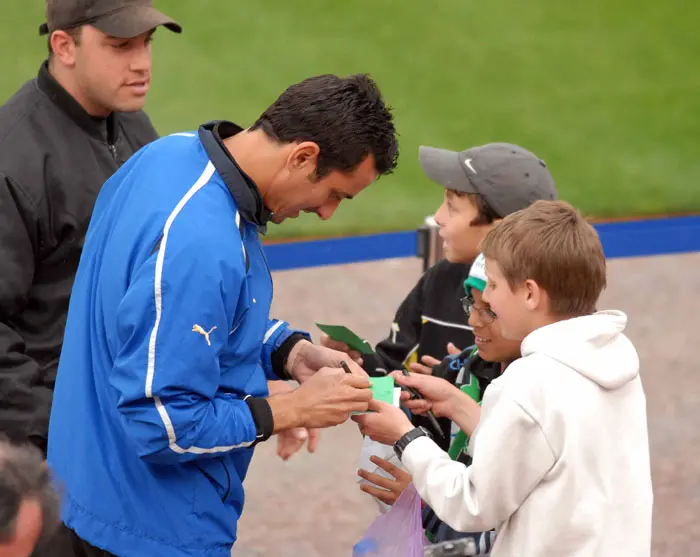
{"points": [[607, 92]]}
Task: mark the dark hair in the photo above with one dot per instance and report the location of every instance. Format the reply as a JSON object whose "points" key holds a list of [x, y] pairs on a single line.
{"points": [[23, 475], [486, 213], [345, 116], [74, 33]]}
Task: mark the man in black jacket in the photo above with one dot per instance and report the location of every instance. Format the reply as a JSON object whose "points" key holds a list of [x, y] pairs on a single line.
{"points": [[62, 135]]}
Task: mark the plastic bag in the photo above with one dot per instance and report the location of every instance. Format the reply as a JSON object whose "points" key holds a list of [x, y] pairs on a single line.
{"points": [[398, 532]]}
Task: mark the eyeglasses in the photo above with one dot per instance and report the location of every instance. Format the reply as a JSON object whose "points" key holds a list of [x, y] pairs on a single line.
{"points": [[486, 315]]}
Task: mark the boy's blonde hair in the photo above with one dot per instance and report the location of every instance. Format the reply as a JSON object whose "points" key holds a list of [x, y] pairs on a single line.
{"points": [[551, 243]]}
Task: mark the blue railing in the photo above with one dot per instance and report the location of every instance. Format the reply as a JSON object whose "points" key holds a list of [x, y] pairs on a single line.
{"points": [[636, 238]]}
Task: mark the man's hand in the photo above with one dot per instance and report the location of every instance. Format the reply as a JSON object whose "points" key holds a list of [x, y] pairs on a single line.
{"points": [[326, 399], [290, 441], [386, 424], [328, 342], [386, 490], [428, 362], [305, 359]]}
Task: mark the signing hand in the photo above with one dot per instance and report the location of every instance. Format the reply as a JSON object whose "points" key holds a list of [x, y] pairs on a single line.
{"points": [[387, 490], [428, 362], [386, 424], [328, 397], [305, 359]]}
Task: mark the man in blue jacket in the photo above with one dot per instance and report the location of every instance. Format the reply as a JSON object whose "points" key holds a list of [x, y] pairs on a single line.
{"points": [[162, 384]]}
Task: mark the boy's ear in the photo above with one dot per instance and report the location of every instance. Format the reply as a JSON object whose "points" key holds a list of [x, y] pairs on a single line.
{"points": [[533, 295]]}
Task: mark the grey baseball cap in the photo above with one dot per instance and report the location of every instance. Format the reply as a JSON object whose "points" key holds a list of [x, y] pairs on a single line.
{"points": [[508, 177], [124, 19]]}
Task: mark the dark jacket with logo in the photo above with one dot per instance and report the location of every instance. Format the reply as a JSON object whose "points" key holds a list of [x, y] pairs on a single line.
{"points": [[429, 318], [54, 157]]}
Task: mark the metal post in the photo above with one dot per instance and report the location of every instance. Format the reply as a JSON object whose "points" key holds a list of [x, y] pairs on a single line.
{"points": [[429, 243]]}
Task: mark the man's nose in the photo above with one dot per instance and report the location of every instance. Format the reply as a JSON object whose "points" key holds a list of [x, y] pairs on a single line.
{"points": [[142, 60], [327, 210]]}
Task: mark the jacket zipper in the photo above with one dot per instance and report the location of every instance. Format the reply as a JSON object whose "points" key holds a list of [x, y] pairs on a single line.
{"points": [[113, 150], [269, 272]]}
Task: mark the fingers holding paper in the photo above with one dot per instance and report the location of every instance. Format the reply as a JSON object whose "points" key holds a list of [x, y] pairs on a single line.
{"points": [[328, 342], [383, 423]]}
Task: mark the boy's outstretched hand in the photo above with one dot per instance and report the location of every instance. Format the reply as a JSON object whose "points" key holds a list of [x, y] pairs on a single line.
{"points": [[441, 396], [387, 490], [385, 423]]}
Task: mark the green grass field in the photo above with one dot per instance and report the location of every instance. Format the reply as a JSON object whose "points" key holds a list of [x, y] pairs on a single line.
{"points": [[608, 93]]}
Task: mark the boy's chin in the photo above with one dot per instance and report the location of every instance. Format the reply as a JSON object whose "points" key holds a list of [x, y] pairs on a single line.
{"points": [[453, 257]]}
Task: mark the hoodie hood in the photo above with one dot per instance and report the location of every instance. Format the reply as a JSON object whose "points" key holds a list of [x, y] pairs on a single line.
{"points": [[592, 345]]}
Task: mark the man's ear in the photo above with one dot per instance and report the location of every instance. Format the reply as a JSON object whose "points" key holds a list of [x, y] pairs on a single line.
{"points": [[63, 47], [304, 156]]}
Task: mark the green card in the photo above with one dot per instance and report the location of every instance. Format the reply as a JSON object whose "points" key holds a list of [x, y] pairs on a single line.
{"points": [[384, 390], [343, 334]]}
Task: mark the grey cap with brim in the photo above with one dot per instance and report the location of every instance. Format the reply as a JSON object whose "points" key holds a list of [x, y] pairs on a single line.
{"points": [[122, 19], [134, 22], [507, 176]]}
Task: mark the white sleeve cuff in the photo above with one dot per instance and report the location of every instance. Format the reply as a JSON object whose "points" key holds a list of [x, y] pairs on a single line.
{"points": [[420, 452]]}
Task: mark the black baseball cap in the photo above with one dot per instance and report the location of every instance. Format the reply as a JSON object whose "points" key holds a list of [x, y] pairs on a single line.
{"points": [[507, 176], [123, 19]]}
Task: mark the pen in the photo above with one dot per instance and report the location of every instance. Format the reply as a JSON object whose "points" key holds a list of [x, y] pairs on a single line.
{"points": [[345, 366], [429, 413]]}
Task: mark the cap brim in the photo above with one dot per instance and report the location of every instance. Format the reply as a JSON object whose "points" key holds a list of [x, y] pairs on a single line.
{"points": [[134, 21], [444, 167]]}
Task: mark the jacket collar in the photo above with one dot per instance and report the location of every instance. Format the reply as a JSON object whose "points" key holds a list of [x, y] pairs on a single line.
{"points": [[246, 194], [64, 101]]}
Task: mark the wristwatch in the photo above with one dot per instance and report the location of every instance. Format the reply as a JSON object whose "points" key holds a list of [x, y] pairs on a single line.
{"points": [[401, 444]]}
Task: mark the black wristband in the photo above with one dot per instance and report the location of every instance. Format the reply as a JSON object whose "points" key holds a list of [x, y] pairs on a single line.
{"points": [[262, 416], [279, 356]]}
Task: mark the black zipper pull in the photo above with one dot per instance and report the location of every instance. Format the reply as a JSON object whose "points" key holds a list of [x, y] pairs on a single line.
{"points": [[113, 150]]}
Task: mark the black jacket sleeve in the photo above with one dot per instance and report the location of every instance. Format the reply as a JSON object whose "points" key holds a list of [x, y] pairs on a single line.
{"points": [[20, 409], [404, 337]]}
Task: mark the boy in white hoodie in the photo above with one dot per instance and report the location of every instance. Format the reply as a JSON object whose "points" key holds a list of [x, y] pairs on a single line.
{"points": [[561, 454]]}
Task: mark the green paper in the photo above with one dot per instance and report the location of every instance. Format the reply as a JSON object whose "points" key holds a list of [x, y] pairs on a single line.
{"points": [[343, 334], [383, 389]]}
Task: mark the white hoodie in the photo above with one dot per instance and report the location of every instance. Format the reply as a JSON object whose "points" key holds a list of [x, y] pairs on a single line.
{"points": [[561, 455]]}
